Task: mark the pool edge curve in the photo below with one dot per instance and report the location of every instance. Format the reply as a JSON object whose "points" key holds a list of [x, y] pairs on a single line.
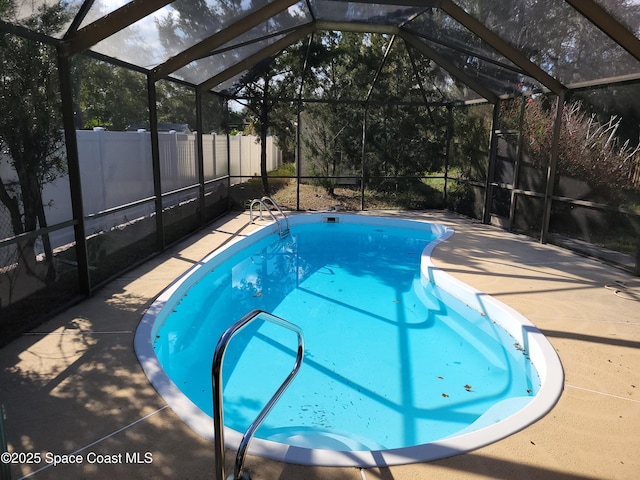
{"points": [[541, 352]]}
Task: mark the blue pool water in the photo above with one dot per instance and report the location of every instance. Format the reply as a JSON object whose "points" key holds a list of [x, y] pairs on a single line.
{"points": [[391, 360]]}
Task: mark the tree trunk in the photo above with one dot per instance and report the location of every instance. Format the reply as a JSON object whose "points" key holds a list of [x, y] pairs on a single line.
{"points": [[263, 160], [46, 243], [264, 129], [31, 216]]}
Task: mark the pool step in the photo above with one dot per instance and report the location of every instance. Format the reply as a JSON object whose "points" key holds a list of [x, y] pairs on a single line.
{"points": [[321, 439]]}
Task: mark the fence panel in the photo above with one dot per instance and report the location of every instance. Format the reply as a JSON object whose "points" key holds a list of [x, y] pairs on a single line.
{"points": [[220, 159], [116, 169]]}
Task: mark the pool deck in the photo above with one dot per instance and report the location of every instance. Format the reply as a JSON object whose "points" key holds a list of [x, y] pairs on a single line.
{"points": [[74, 384]]}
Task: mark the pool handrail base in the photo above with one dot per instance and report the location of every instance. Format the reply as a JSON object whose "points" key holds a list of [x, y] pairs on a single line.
{"points": [[216, 379]]}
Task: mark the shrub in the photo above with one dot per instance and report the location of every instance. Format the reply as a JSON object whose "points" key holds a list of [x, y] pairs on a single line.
{"points": [[589, 150]]}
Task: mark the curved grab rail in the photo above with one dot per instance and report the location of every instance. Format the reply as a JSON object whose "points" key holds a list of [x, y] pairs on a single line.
{"points": [[266, 199], [262, 202], [256, 201], [216, 378]]}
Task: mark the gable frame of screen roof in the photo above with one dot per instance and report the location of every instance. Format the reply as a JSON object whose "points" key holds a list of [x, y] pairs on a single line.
{"points": [[208, 45], [79, 40], [528, 67], [357, 27], [128, 14], [263, 54], [609, 25], [501, 46], [454, 71], [76, 41], [484, 33], [409, 38]]}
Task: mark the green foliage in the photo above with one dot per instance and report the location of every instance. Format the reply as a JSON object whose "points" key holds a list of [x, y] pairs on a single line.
{"points": [[30, 124], [401, 139], [114, 98], [327, 142], [7, 8], [557, 37], [285, 170], [108, 96], [176, 104], [471, 134], [30, 134], [589, 150]]}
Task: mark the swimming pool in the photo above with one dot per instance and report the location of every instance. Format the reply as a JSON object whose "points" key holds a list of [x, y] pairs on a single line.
{"points": [[403, 363]]}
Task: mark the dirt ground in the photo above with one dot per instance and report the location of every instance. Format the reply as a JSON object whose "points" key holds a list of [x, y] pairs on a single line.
{"points": [[312, 197]]}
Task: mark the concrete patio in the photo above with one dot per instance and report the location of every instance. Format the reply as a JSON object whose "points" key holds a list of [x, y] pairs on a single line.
{"points": [[74, 385]]}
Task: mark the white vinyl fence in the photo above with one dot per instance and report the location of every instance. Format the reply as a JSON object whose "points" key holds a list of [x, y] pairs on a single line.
{"points": [[116, 169]]}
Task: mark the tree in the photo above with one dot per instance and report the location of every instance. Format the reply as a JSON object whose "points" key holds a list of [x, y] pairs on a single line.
{"points": [[557, 37], [30, 129], [322, 143], [260, 108], [382, 73], [108, 96], [267, 83]]}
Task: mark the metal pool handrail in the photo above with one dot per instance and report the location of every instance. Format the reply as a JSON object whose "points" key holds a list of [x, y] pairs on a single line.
{"points": [[262, 202], [216, 379]]}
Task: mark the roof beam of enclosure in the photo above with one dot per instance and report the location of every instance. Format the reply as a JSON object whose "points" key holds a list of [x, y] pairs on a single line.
{"points": [[414, 66], [305, 64], [380, 67], [79, 18], [27, 33], [111, 23], [310, 9], [357, 27], [605, 82], [235, 46], [609, 25], [479, 29], [449, 67], [218, 39], [257, 57], [358, 102], [418, 78], [469, 52], [403, 3]]}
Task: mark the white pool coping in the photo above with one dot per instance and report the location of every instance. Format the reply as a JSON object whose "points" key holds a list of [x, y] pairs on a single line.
{"points": [[541, 353]]}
